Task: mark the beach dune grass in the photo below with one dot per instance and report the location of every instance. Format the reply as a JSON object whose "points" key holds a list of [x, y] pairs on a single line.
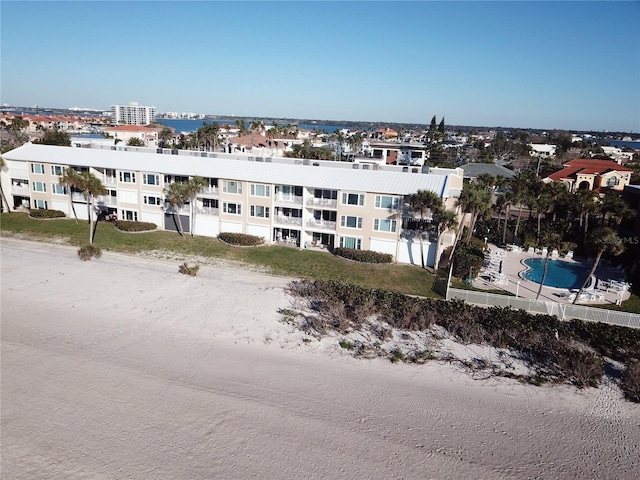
{"points": [[284, 261]]}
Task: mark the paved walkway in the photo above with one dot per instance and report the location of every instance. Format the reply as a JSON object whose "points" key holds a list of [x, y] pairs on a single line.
{"points": [[513, 266]]}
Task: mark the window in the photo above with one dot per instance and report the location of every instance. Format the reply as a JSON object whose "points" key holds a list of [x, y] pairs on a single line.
{"points": [[351, 242], [353, 199], [57, 170], [130, 215], [150, 179], [390, 203], [384, 225], [39, 187], [58, 189], [210, 202], [260, 190], [40, 204], [128, 177], [231, 187], [151, 200], [232, 208], [350, 222], [613, 181], [259, 211], [37, 168]]}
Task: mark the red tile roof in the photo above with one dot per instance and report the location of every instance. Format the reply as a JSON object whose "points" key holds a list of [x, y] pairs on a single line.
{"points": [[586, 166], [130, 128]]}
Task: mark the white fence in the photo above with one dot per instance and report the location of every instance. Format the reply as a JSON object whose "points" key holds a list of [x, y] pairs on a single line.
{"points": [[561, 310]]}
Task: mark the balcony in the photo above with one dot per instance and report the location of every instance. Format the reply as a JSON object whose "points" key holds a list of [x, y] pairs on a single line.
{"points": [[106, 200], [209, 191], [321, 225], [78, 197], [20, 189], [208, 211], [109, 181], [322, 202], [288, 199], [285, 220]]}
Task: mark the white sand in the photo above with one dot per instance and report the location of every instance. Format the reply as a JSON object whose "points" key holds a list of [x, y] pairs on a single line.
{"points": [[123, 368]]}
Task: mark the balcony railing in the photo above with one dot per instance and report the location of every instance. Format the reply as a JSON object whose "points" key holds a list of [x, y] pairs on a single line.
{"points": [[106, 200], [208, 211], [322, 202], [285, 220], [108, 181], [78, 197], [209, 191], [321, 224], [289, 200], [20, 189]]}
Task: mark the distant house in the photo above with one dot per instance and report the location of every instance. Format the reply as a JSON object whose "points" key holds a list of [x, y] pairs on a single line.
{"points": [[542, 150], [124, 133], [617, 154], [582, 173], [385, 134], [474, 170]]}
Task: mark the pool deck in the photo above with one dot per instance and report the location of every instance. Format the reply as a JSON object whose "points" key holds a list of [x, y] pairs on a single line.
{"points": [[512, 266]]}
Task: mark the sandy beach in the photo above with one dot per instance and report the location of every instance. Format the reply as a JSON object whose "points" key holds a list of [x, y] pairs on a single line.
{"points": [[123, 368]]}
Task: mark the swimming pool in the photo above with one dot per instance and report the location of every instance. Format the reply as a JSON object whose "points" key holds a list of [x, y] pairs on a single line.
{"points": [[560, 274]]}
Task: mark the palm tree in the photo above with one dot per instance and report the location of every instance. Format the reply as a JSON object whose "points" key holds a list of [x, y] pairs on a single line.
{"points": [[447, 220], [90, 186], [553, 241], [421, 202], [603, 240], [585, 202], [508, 201], [520, 185], [476, 200], [70, 178], [165, 135], [176, 195], [191, 188]]}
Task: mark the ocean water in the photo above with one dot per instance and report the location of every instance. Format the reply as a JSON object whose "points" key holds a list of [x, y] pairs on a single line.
{"points": [[621, 143], [188, 125]]}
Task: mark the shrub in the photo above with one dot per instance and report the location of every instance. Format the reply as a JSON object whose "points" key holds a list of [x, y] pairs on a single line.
{"points": [[467, 257], [45, 213], [87, 251], [185, 269], [631, 381], [364, 256], [241, 239], [128, 226]]}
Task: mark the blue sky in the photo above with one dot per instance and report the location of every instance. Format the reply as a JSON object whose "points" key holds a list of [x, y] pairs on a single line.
{"points": [[568, 65]]}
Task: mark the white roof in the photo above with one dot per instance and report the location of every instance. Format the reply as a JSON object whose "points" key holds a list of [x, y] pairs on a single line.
{"points": [[375, 181]]}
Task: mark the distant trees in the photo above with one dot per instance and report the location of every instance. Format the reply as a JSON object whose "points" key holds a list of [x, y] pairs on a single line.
{"points": [[165, 136], [55, 136], [135, 142], [306, 150]]}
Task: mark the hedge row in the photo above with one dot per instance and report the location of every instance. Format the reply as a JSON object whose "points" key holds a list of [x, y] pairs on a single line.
{"points": [[559, 351], [45, 213], [364, 256], [241, 239], [128, 226]]}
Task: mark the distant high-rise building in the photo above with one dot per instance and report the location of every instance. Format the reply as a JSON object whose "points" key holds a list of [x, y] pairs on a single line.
{"points": [[132, 114]]}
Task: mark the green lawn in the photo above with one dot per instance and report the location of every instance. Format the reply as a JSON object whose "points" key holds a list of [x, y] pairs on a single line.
{"points": [[284, 261]]}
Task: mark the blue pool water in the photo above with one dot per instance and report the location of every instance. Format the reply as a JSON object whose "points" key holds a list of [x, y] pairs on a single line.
{"points": [[560, 274]]}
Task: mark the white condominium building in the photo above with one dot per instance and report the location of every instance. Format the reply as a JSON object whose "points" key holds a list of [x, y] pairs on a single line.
{"points": [[301, 203], [132, 114]]}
